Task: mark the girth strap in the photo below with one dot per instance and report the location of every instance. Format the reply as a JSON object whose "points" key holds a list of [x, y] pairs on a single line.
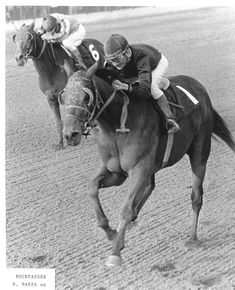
{"points": [[124, 114], [169, 144]]}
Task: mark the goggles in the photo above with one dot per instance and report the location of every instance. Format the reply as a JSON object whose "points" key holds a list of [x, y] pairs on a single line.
{"points": [[116, 58]]}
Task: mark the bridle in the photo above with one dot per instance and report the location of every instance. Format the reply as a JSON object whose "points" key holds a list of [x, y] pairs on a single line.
{"points": [[76, 117], [32, 47], [91, 117]]}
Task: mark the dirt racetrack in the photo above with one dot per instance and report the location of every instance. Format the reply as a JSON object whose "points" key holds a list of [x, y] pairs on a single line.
{"points": [[50, 220]]}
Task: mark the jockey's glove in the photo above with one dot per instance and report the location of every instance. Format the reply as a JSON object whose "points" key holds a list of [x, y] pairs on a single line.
{"points": [[118, 85]]}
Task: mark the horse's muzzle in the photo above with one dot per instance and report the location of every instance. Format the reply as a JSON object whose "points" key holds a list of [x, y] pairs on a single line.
{"points": [[72, 139], [20, 59]]}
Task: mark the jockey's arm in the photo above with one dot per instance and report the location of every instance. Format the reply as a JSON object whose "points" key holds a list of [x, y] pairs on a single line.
{"points": [[143, 86]]}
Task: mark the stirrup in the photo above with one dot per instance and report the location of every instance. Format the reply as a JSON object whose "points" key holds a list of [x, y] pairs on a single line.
{"points": [[172, 126], [123, 130]]}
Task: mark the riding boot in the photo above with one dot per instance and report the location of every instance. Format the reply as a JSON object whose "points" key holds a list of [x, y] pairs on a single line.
{"points": [[79, 63], [171, 124]]}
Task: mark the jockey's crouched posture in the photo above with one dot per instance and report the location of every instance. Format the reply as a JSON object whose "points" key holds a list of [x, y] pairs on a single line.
{"points": [[147, 64], [65, 29]]}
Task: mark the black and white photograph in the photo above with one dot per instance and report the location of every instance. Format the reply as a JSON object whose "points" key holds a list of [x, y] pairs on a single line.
{"points": [[119, 150]]}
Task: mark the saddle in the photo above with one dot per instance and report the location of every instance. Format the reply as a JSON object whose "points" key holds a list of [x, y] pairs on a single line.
{"points": [[182, 102]]}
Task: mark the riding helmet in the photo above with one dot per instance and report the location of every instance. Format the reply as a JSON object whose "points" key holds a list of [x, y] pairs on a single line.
{"points": [[49, 23], [115, 45]]}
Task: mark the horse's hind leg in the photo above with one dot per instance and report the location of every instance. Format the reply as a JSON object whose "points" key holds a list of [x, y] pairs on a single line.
{"points": [[104, 178], [198, 154]]}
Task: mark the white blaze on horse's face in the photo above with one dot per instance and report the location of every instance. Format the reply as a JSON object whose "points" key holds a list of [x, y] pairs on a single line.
{"points": [[24, 44], [77, 100]]}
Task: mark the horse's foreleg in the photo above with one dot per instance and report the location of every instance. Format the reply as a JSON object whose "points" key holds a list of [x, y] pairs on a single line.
{"points": [[140, 179], [55, 107], [143, 198], [104, 178]]}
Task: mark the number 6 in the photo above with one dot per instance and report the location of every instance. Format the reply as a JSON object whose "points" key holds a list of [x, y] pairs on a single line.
{"points": [[94, 52]]}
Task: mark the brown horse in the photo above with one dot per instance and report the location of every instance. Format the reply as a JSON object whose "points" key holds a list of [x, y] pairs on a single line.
{"points": [[139, 153], [49, 62]]}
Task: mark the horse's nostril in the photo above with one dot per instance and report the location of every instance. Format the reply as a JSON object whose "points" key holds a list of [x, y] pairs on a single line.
{"points": [[74, 134], [71, 136], [19, 57]]}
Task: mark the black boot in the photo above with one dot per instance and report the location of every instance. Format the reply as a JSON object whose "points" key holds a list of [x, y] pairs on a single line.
{"points": [[171, 124]]}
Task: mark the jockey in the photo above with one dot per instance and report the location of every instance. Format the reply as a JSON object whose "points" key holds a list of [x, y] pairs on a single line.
{"points": [[65, 29], [144, 62]]}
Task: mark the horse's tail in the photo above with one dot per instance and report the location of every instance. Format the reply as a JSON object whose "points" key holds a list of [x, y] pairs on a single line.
{"points": [[222, 131]]}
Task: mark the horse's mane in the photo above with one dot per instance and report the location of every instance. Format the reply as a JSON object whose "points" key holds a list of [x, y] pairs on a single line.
{"points": [[108, 75], [56, 46], [79, 79]]}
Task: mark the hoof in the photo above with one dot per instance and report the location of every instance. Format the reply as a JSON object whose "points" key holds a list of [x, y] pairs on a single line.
{"points": [[57, 147], [193, 244], [113, 261], [132, 225]]}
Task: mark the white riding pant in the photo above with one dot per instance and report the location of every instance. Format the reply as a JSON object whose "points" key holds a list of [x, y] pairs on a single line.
{"points": [[75, 38], [157, 75]]}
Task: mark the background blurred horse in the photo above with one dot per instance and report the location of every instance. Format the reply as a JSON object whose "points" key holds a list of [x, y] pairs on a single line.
{"points": [[138, 154], [48, 62]]}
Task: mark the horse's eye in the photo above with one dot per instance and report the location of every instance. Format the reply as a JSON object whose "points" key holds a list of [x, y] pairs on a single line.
{"points": [[29, 37]]}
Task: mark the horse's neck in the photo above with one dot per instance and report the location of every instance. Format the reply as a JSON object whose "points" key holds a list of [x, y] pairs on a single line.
{"points": [[141, 112], [45, 64], [111, 114]]}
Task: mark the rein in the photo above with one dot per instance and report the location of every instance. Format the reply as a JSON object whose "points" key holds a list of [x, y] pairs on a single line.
{"points": [[53, 54], [105, 105], [91, 115], [34, 48]]}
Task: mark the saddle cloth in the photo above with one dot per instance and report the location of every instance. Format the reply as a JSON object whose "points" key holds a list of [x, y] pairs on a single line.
{"points": [[181, 101]]}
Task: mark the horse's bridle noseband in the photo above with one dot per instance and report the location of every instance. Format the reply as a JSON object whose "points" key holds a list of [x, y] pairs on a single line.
{"points": [[33, 47], [91, 115], [76, 117]]}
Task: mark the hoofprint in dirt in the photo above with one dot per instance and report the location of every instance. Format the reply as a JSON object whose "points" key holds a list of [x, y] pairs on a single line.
{"points": [[50, 220]]}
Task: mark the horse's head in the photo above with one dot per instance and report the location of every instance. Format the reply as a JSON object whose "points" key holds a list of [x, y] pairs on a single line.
{"points": [[78, 97], [24, 40]]}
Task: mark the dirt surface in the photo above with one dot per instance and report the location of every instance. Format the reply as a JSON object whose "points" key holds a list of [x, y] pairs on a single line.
{"points": [[50, 219]]}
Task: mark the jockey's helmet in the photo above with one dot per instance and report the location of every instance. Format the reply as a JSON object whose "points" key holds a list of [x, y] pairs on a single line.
{"points": [[49, 23], [117, 51]]}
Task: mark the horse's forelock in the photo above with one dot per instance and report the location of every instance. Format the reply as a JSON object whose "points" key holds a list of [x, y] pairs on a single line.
{"points": [[73, 93], [24, 30], [74, 87]]}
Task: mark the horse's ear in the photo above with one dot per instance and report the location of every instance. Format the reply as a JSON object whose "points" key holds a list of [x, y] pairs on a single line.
{"points": [[91, 70], [23, 25], [32, 25], [68, 68], [61, 97]]}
